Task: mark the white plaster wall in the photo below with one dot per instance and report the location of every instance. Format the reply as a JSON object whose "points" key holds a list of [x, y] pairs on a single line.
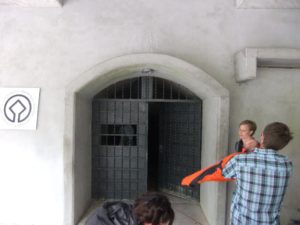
{"points": [[82, 155], [31, 166], [49, 47]]}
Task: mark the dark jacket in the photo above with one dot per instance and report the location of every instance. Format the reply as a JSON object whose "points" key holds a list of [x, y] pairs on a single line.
{"points": [[112, 213], [239, 145]]}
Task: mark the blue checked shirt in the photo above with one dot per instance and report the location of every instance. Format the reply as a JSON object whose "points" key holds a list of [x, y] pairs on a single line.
{"points": [[261, 181]]}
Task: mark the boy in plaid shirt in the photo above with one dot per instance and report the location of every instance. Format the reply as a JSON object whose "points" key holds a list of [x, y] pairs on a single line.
{"points": [[261, 179]]}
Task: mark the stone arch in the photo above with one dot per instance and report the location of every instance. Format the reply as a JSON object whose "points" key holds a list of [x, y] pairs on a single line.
{"points": [[79, 93]]}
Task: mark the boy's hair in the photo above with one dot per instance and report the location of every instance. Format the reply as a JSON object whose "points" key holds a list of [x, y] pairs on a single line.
{"points": [[251, 124], [276, 136], [153, 207]]}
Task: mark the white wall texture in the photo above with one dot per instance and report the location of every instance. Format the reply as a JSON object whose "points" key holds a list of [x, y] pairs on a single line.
{"points": [[50, 47], [273, 96]]}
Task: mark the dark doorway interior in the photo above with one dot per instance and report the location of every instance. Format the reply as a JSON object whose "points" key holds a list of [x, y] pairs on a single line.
{"points": [[153, 146], [174, 140]]}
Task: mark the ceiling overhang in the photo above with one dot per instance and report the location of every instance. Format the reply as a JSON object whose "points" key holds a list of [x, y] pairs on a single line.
{"points": [[32, 3]]}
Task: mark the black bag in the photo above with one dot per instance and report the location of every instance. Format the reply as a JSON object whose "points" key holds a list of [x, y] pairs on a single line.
{"points": [[112, 213]]}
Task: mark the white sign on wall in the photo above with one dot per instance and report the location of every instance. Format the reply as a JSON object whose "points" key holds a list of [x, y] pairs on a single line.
{"points": [[19, 108]]}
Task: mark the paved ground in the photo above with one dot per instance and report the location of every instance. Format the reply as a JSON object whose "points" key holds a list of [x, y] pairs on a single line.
{"points": [[186, 212]]}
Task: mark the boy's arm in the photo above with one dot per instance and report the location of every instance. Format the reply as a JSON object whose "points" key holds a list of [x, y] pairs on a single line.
{"points": [[229, 170]]}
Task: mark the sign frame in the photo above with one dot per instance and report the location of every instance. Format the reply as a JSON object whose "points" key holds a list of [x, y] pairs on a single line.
{"points": [[19, 108]]}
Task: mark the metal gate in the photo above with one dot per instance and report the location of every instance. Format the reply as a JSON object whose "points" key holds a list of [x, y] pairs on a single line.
{"points": [[179, 144], [119, 149], [120, 137]]}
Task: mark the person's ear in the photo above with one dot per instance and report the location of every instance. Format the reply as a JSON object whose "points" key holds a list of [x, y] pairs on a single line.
{"points": [[251, 132]]}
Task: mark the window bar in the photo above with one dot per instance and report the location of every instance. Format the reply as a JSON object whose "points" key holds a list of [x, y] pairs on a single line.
{"points": [[129, 149], [130, 83], [147, 87], [106, 152], [188, 144], [138, 89], [114, 149], [121, 166], [176, 148], [185, 94], [114, 89], [155, 88], [174, 91], [123, 83], [150, 88], [163, 89], [171, 91], [138, 148], [144, 88]]}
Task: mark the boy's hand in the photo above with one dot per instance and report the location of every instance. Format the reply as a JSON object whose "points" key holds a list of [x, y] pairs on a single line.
{"points": [[250, 143]]}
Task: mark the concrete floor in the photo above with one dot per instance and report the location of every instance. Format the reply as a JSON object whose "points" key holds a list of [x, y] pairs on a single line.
{"points": [[186, 212]]}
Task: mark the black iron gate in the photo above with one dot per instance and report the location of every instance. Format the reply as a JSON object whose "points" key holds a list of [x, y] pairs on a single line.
{"points": [[121, 154], [119, 149], [179, 144]]}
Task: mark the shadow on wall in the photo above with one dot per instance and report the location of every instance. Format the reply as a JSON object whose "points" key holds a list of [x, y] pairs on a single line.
{"points": [[295, 221]]}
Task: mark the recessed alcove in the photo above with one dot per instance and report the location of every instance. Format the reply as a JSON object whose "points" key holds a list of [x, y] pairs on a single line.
{"points": [[78, 117]]}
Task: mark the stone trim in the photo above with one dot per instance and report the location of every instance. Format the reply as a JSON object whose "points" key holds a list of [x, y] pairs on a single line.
{"points": [[215, 122]]}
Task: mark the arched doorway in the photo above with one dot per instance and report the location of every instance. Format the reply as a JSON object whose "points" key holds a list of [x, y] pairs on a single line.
{"points": [[146, 136], [78, 116]]}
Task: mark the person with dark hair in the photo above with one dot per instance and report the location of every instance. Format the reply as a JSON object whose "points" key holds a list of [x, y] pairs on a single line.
{"points": [[247, 129], [261, 178], [152, 208]]}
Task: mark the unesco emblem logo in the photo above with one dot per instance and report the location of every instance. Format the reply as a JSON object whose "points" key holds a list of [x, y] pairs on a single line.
{"points": [[17, 108]]}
